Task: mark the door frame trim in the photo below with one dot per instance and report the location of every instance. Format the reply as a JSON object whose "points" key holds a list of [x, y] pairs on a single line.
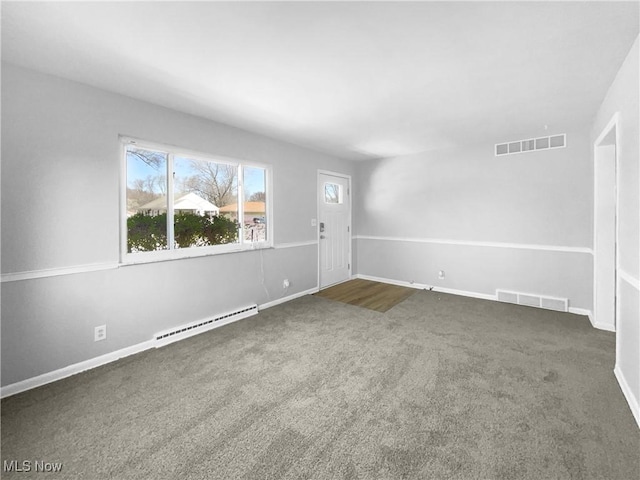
{"points": [[350, 219], [614, 123]]}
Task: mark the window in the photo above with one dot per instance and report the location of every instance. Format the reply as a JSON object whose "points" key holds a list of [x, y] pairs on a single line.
{"points": [[332, 193], [181, 204]]}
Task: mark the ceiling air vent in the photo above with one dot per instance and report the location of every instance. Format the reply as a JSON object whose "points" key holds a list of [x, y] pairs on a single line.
{"points": [[531, 144]]}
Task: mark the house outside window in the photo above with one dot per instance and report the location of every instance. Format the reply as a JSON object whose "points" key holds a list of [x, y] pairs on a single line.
{"points": [[179, 204]]}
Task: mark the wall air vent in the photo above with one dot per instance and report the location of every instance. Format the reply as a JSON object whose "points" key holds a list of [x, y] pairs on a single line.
{"points": [[531, 144], [550, 303], [194, 328]]}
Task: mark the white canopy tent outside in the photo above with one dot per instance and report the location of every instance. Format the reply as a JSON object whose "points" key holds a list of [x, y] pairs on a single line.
{"points": [[189, 202]]}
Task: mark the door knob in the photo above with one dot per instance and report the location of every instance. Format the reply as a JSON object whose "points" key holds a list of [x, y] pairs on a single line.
{"points": [[322, 236]]}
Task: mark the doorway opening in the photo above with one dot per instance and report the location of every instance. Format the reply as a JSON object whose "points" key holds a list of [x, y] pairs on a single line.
{"points": [[605, 238]]}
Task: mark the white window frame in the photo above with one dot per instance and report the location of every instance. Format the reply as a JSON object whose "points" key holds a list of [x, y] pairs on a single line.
{"points": [[173, 253]]}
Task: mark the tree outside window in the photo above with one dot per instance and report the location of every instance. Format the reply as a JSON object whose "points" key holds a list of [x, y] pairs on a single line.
{"points": [[203, 207]]}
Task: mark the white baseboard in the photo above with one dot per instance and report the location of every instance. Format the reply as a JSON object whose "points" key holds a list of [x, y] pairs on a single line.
{"points": [[600, 326], [67, 371], [421, 286], [288, 298], [400, 283], [603, 326], [465, 293], [580, 311], [588, 313], [628, 395]]}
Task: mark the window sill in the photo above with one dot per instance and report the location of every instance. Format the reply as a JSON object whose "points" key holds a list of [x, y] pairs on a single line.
{"points": [[171, 255]]}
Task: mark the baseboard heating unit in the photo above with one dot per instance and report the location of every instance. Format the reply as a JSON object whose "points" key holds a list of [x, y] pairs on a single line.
{"points": [[194, 328], [540, 301]]}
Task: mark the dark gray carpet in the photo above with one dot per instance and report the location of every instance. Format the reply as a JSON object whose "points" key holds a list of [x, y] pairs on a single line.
{"points": [[438, 387]]}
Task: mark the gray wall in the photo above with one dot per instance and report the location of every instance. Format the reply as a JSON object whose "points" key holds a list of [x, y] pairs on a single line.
{"points": [[522, 222], [486, 221], [60, 197], [622, 97]]}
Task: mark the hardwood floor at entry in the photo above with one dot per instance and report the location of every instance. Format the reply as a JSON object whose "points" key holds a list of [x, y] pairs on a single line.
{"points": [[367, 294]]}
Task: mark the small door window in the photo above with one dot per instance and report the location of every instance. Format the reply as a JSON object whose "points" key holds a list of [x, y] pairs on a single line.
{"points": [[332, 193]]}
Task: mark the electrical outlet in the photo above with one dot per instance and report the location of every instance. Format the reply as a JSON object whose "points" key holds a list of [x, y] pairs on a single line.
{"points": [[285, 283], [100, 333], [441, 274]]}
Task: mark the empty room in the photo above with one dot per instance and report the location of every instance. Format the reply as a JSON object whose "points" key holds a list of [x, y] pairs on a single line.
{"points": [[320, 240]]}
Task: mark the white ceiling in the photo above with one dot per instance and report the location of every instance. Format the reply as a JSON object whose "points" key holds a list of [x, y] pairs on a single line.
{"points": [[355, 79]]}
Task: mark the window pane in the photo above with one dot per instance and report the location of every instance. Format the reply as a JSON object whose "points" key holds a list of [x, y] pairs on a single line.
{"points": [[146, 200], [332, 193], [255, 205], [205, 203]]}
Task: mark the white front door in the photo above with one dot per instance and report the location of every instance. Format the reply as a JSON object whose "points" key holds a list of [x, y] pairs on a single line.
{"points": [[334, 228]]}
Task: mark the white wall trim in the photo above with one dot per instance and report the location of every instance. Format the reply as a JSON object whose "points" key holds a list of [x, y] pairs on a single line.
{"points": [[65, 372], [464, 293], [96, 267], [613, 123], [69, 370], [54, 272], [602, 326], [422, 286], [443, 241], [288, 298], [586, 313], [628, 394], [630, 279], [296, 244]]}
